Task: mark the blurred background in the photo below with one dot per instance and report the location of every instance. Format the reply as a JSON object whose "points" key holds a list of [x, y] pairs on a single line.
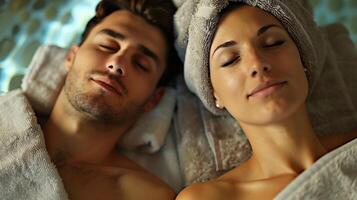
{"points": [[26, 24]]}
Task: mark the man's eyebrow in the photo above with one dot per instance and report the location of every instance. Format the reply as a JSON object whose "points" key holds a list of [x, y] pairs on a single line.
{"points": [[143, 49], [112, 34], [149, 53], [224, 45]]}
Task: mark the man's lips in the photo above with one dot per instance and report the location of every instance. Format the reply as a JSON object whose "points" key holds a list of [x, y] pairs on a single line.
{"points": [[108, 84], [266, 87]]}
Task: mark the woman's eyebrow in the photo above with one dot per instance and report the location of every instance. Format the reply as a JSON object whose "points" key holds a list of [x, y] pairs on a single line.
{"points": [[267, 27], [225, 45], [260, 31]]}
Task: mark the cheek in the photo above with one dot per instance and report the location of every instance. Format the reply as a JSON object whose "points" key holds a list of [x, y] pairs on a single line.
{"points": [[141, 87], [91, 58], [229, 86], [233, 85], [79, 69], [295, 69]]}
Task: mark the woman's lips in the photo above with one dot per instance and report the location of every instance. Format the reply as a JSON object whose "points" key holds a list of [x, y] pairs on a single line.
{"points": [[266, 88]]}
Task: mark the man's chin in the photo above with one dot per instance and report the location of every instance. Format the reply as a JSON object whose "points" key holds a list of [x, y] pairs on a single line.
{"points": [[99, 111], [102, 112], [102, 108]]}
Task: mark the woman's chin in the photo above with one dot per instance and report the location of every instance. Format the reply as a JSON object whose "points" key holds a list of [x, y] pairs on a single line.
{"points": [[265, 117]]}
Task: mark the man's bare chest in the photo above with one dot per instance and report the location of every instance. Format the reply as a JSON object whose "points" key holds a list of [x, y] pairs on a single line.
{"points": [[103, 182], [90, 183]]}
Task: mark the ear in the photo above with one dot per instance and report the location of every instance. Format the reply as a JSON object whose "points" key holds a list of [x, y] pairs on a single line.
{"points": [[218, 103], [155, 99], [71, 56]]}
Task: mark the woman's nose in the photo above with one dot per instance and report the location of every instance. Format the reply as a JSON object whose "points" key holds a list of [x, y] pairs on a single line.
{"points": [[258, 65], [260, 70]]}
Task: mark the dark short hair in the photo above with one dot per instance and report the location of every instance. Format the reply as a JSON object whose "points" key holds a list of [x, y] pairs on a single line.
{"points": [[158, 13]]}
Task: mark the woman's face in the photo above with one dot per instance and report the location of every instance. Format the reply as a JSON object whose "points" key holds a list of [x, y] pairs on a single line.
{"points": [[255, 68]]}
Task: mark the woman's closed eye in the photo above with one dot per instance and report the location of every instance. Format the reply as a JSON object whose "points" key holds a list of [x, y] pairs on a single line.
{"points": [[231, 61], [274, 44]]}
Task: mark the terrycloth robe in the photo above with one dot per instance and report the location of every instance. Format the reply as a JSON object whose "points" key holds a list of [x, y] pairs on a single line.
{"points": [[334, 176], [26, 170]]}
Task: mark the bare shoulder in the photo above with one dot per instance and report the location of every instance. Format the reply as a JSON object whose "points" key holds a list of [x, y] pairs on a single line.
{"points": [[114, 178], [334, 141], [151, 187], [133, 176], [212, 190], [229, 187]]}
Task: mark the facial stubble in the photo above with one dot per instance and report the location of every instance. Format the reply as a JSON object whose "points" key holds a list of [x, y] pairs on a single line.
{"points": [[94, 106]]}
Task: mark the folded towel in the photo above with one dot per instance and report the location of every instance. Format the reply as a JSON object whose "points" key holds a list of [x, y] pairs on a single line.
{"points": [[207, 145], [44, 80], [333, 176], [195, 157], [43, 83], [226, 139], [26, 170], [149, 132]]}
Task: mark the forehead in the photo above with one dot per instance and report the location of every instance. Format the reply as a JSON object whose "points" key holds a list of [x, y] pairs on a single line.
{"points": [[128, 21], [244, 20], [135, 28]]}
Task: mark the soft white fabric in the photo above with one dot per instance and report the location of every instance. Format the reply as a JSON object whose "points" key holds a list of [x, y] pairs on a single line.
{"points": [[149, 132], [334, 176], [163, 163], [26, 170], [208, 145], [45, 77]]}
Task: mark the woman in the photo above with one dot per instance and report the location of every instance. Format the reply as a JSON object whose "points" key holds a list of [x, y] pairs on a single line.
{"points": [[258, 75]]}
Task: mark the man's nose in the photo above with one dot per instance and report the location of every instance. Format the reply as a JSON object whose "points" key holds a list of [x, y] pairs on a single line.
{"points": [[117, 69], [118, 63]]}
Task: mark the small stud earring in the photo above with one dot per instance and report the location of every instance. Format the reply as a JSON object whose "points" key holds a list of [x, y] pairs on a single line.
{"points": [[218, 106], [307, 73]]}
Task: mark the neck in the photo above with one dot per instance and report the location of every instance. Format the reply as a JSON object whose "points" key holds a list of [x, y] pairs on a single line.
{"points": [[286, 147], [72, 137]]}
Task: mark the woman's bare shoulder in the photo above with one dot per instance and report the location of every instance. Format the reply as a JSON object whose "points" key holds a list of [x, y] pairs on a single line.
{"points": [[226, 188], [212, 190]]}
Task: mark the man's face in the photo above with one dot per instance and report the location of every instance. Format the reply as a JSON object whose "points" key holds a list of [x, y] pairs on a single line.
{"points": [[113, 74]]}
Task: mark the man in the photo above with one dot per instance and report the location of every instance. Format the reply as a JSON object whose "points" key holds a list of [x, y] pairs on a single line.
{"points": [[112, 79]]}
